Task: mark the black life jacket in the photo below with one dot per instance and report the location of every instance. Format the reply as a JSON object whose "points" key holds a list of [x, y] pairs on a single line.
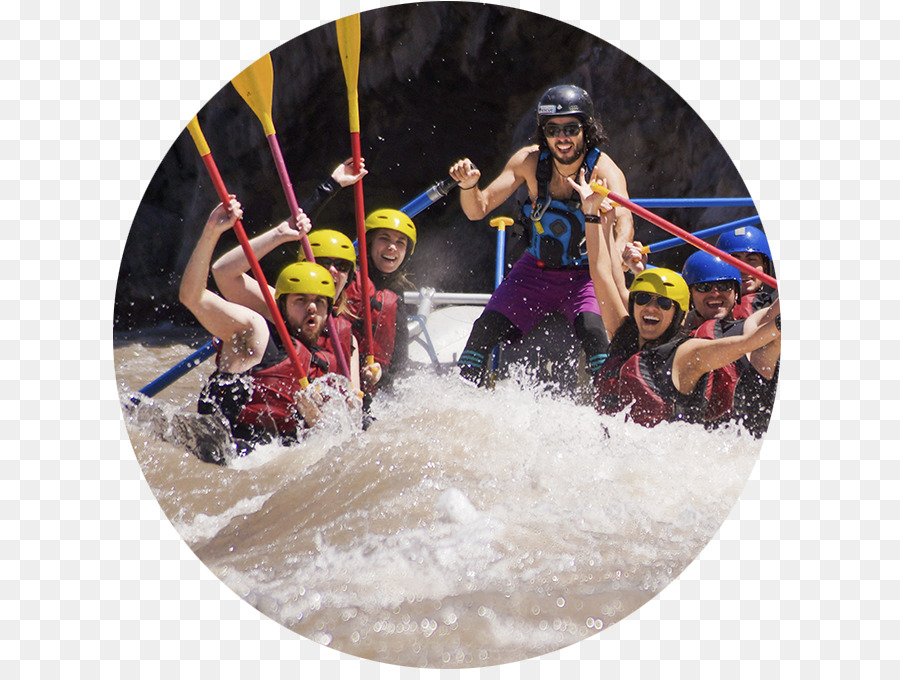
{"points": [[644, 381]]}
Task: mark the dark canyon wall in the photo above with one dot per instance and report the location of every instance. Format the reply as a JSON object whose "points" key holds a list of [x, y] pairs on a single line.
{"points": [[438, 82]]}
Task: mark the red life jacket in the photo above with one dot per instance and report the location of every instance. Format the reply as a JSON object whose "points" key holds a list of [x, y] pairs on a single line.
{"points": [[744, 308], [645, 380], [344, 331], [384, 305], [275, 382], [753, 302], [722, 380]]}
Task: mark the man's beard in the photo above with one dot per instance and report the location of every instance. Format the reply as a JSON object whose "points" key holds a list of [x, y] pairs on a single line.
{"points": [[308, 336], [576, 152]]}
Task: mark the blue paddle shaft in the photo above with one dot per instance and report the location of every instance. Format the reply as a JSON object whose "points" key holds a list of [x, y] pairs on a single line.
{"points": [[501, 257], [179, 369], [433, 193], [705, 233]]}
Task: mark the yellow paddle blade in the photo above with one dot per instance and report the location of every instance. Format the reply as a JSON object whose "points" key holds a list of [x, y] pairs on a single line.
{"points": [[254, 84], [348, 37], [197, 134]]}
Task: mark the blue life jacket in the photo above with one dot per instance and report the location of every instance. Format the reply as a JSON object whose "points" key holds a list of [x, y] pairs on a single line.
{"points": [[557, 227]]}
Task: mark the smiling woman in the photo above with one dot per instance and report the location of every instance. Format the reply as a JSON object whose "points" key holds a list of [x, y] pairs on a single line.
{"points": [[390, 242], [388, 250]]}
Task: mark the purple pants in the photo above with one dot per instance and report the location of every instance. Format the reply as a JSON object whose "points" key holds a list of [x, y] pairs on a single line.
{"points": [[529, 293]]}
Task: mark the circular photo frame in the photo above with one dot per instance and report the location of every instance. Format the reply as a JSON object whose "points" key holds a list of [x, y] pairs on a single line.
{"points": [[409, 381]]}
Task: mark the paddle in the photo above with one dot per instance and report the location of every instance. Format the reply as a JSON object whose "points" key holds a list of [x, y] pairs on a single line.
{"points": [[682, 234], [255, 84], [348, 38], [206, 155], [184, 366], [703, 233], [432, 194], [500, 224]]}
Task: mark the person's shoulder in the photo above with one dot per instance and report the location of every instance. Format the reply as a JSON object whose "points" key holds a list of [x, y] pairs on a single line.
{"points": [[527, 154], [604, 161], [523, 163]]}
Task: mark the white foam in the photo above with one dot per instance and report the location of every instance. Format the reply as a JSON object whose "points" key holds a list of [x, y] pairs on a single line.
{"points": [[454, 506], [202, 527]]}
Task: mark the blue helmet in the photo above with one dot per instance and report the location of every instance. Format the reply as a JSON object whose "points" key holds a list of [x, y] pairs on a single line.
{"points": [[746, 240], [702, 267]]}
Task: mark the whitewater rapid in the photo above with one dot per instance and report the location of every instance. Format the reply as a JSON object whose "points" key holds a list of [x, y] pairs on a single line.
{"points": [[465, 527]]}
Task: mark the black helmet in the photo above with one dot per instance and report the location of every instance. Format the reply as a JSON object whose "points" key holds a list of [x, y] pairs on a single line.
{"points": [[565, 100]]}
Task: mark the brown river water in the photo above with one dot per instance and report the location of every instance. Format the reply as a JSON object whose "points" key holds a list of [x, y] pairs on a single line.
{"points": [[464, 528]]}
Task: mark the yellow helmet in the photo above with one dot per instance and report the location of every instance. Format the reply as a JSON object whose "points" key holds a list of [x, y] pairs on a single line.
{"points": [[307, 278], [330, 243], [665, 283], [386, 218]]}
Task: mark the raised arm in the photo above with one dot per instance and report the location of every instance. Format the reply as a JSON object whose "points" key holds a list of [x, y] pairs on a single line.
{"points": [[342, 176], [237, 326], [611, 175], [765, 359], [230, 270], [477, 203], [597, 236], [696, 357]]}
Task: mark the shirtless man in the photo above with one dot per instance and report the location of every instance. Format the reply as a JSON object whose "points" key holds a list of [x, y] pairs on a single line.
{"points": [[555, 272]]}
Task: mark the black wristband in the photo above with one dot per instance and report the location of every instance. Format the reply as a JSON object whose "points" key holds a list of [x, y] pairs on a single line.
{"points": [[474, 186], [592, 218]]}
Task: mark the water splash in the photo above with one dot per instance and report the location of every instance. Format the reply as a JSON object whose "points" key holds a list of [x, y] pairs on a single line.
{"points": [[464, 527]]}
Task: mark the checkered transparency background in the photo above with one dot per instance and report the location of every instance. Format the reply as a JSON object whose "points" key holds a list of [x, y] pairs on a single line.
{"points": [[801, 578]]}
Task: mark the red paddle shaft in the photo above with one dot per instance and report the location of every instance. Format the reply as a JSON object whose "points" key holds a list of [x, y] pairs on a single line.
{"points": [[361, 240], [685, 235], [304, 242], [257, 270]]}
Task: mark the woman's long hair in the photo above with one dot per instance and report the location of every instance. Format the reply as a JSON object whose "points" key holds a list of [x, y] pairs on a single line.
{"points": [[340, 307]]}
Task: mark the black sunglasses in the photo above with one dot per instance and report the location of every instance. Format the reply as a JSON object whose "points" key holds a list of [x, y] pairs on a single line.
{"points": [[569, 129], [642, 298], [721, 286], [343, 266]]}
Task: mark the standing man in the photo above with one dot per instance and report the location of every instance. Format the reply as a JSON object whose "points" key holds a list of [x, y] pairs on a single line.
{"points": [[554, 274]]}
